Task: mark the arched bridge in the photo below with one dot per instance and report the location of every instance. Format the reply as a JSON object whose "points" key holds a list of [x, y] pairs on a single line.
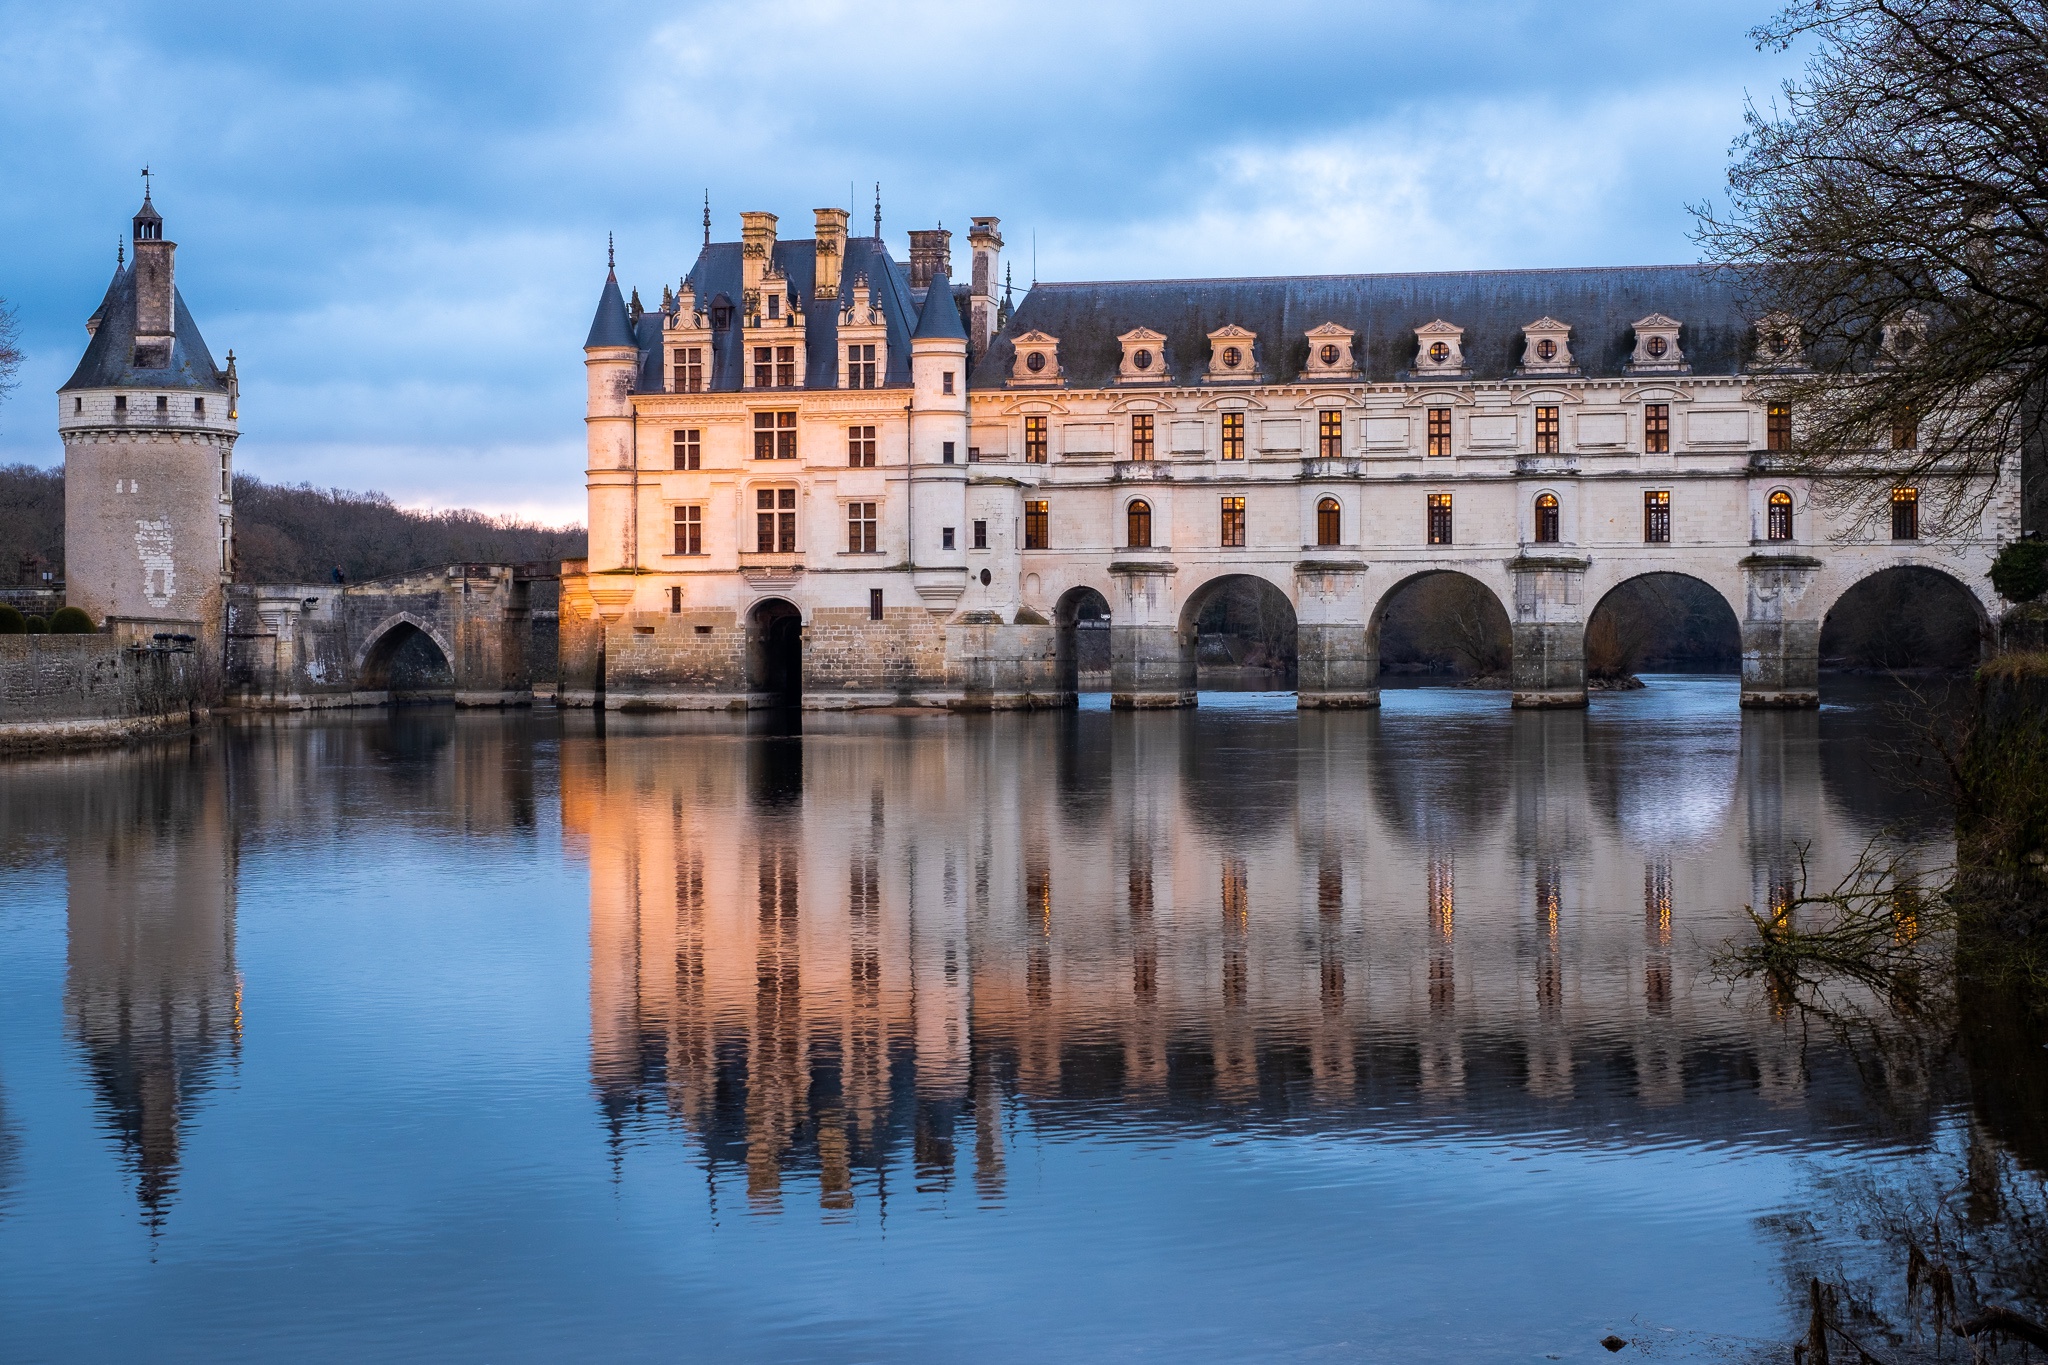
{"points": [[464, 633]]}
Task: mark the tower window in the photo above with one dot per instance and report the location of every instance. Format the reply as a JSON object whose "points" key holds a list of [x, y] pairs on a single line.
{"points": [[1329, 522], [1440, 518], [1233, 523], [860, 447], [1037, 526], [120, 405], [946, 382], [945, 537], [163, 405], [775, 436], [199, 407], [1905, 514], [945, 452], [689, 448], [689, 531], [860, 366], [1546, 431], [1439, 429], [1138, 525], [1657, 428], [860, 528], [1778, 427], [689, 369], [1657, 518], [1141, 436], [1546, 519], [1233, 436], [775, 521], [1330, 433], [1034, 440], [1778, 516], [981, 535], [77, 405]]}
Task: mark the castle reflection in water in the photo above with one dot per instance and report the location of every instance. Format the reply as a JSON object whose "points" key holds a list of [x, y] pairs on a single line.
{"points": [[811, 951]]}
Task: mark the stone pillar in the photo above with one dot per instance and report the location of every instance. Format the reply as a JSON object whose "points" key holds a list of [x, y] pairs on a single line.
{"points": [[1337, 661], [1149, 664], [1549, 667], [1780, 643]]}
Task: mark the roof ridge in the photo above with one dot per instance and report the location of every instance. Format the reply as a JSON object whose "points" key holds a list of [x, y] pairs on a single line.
{"points": [[1383, 275]]}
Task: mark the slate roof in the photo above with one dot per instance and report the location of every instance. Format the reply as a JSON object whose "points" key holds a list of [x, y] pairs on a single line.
{"points": [[717, 272], [939, 319], [108, 362], [1600, 303], [610, 326]]}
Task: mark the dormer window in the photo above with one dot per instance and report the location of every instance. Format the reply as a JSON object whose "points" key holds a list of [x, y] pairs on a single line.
{"points": [[1035, 362], [864, 340], [1231, 359], [1778, 344], [1657, 349], [1439, 350], [1546, 347], [775, 305], [1144, 359], [1037, 359]]}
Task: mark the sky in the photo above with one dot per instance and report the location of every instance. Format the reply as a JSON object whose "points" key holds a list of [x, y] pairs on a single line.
{"points": [[395, 214]]}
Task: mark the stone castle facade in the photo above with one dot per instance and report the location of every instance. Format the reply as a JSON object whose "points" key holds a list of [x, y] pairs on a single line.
{"points": [[817, 472]]}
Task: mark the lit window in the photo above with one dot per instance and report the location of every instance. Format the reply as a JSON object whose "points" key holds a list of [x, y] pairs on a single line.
{"points": [[1034, 440], [1546, 519], [1905, 514], [1657, 428], [860, 366], [1439, 429], [1037, 526], [860, 528], [1778, 516], [981, 535], [1330, 433], [1141, 436], [1233, 522], [1546, 431], [860, 447], [1778, 427], [689, 449], [775, 436], [785, 367], [1329, 522], [1440, 518], [1657, 518], [689, 530], [1233, 436], [775, 521], [689, 369], [1138, 525]]}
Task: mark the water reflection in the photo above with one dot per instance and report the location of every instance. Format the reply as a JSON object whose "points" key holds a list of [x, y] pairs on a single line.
{"points": [[811, 951]]}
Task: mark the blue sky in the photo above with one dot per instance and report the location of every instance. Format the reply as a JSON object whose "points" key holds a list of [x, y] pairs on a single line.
{"points": [[395, 214]]}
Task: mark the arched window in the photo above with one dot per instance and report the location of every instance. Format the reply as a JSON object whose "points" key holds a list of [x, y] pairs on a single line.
{"points": [[1329, 522], [1138, 520], [1778, 518], [1546, 518]]}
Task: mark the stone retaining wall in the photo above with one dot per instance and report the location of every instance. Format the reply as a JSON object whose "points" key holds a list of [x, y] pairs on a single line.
{"points": [[67, 691]]}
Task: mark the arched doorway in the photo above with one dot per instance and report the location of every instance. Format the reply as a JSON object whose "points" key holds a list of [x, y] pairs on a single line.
{"points": [[1660, 623], [775, 652], [1907, 616], [1081, 640], [1443, 627], [406, 664], [1243, 633]]}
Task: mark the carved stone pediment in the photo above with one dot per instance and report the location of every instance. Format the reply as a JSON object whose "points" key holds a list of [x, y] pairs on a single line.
{"points": [[1232, 357], [1144, 357], [1439, 351], [1037, 360], [1547, 348]]}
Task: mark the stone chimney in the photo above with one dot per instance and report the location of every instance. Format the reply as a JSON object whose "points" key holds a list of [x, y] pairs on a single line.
{"points": [[156, 292], [987, 243], [757, 248], [931, 252], [831, 234]]}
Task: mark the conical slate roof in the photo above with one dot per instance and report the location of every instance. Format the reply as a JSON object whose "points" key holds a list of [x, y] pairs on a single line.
{"points": [[940, 319], [611, 326], [109, 361]]}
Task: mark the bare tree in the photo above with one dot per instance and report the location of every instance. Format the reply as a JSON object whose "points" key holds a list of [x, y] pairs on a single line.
{"points": [[1890, 220], [10, 349]]}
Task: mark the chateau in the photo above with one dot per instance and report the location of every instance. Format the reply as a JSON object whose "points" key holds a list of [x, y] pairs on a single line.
{"points": [[818, 473]]}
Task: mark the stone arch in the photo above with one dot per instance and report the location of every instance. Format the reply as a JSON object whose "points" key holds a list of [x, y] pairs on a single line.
{"points": [[1492, 636], [1250, 608], [1080, 636], [1889, 618], [775, 652], [385, 644], [1661, 612]]}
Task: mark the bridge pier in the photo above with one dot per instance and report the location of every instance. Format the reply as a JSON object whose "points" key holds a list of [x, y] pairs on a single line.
{"points": [[1150, 666], [1780, 646], [1337, 659], [1549, 662]]}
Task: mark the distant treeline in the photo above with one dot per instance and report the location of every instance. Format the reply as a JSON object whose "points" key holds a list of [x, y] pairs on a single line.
{"points": [[288, 533]]}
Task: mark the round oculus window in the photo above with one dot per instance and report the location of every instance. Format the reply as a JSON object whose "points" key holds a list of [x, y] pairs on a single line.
{"points": [[1142, 359], [985, 576], [1439, 353], [1035, 361], [1329, 354], [1231, 357], [1655, 346], [1546, 349]]}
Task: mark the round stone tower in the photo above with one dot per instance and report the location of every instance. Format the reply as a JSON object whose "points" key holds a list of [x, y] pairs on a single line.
{"points": [[148, 423]]}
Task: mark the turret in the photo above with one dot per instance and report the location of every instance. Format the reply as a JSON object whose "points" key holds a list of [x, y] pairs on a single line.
{"points": [[938, 429], [610, 355]]}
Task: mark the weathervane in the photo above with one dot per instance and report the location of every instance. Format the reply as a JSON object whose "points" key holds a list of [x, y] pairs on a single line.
{"points": [[145, 182]]}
